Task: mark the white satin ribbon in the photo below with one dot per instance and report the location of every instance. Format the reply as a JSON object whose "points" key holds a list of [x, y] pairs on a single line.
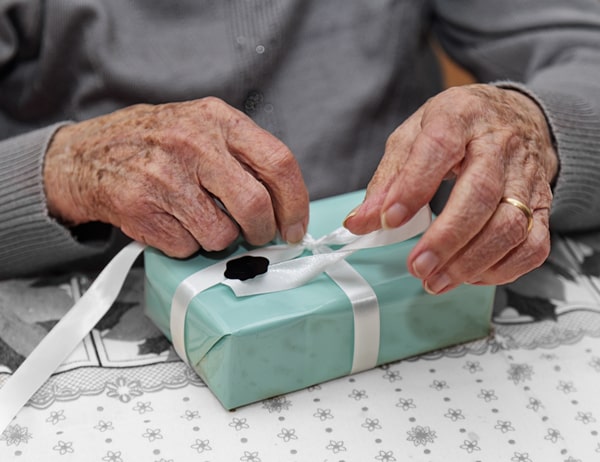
{"points": [[288, 272], [60, 342]]}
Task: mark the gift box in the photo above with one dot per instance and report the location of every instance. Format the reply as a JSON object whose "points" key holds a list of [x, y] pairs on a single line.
{"points": [[362, 310]]}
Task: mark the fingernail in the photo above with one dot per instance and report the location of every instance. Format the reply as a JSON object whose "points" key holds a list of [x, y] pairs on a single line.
{"points": [[424, 264], [294, 233], [394, 216], [437, 283], [475, 281], [427, 289], [352, 213]]}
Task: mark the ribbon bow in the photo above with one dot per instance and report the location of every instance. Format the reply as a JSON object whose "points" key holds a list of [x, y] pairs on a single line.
{"points": [[289, 270]]}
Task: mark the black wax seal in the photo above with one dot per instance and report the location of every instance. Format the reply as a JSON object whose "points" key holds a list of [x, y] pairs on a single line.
{"points": [[246, 267]]}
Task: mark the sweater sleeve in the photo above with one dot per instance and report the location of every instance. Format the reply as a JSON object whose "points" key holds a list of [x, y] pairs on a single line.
{"points": [[30, 240], [550, 50]]}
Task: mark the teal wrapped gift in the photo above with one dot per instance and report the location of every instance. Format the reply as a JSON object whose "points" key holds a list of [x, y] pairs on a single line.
{"points": [[255, 347]]}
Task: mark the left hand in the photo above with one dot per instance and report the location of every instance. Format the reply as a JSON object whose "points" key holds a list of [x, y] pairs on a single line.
{"points": [[496, 143]]}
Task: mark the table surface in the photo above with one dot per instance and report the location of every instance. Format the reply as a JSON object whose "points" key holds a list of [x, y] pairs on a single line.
{"points": [[529, 392]]}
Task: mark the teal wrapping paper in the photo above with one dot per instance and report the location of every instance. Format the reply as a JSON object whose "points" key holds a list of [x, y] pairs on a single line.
{"points": [[251, 348]]}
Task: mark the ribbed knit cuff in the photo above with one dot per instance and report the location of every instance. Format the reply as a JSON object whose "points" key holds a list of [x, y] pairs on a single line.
{"points": [[30, 240], [576, 131]]}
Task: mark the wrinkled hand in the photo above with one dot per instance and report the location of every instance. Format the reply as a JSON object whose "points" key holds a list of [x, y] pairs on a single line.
{"points": [[495, 143], [155, 171]]}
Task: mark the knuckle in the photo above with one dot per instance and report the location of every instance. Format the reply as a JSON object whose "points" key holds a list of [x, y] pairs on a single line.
{"points": [[542, 197], [508, 278], [260, 239], [162, 232], [281, 157], [540, 245], [256, 201], [515, 231], [211, 108], [181, 249], [444, 144], [486, 190], [219, 239], [137, 109], [393, 141], [256, 218], [215, 232], [540, 256], [212, 101], [457, 91], [451, 235], [460, 98], [280, 167]]}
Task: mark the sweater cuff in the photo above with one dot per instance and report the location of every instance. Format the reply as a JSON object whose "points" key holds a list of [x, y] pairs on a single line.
{"points": [[574, 126], [30, 240]]}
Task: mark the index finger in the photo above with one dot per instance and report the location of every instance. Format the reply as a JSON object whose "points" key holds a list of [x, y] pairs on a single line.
{"points": [[274, 165], [436, 150]]}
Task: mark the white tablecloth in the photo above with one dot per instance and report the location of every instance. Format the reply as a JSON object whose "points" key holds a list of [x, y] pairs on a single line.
{"points": [[530, 392]]}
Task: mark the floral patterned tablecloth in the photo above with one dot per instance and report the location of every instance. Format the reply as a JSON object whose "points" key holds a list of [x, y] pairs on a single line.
{"points": [[529, 392]]}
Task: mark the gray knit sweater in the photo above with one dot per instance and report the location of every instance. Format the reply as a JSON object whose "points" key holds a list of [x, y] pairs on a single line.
{"points": [[331, 78]]}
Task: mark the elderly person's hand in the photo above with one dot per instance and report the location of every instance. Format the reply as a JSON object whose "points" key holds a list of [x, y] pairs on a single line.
{"points": [[496, 144], [155, 172]]}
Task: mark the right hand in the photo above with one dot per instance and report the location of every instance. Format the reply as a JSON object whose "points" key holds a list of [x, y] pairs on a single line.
{"points": [[155, 171]]}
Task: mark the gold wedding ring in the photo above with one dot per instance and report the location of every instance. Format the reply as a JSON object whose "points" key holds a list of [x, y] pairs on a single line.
{"points": [[522, 207]]}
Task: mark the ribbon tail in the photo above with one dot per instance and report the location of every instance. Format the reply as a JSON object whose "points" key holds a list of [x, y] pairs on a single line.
{"points": [[60, 342]]}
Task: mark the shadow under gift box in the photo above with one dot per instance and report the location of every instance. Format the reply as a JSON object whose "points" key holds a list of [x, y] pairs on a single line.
{"points": [[251, 348]]}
